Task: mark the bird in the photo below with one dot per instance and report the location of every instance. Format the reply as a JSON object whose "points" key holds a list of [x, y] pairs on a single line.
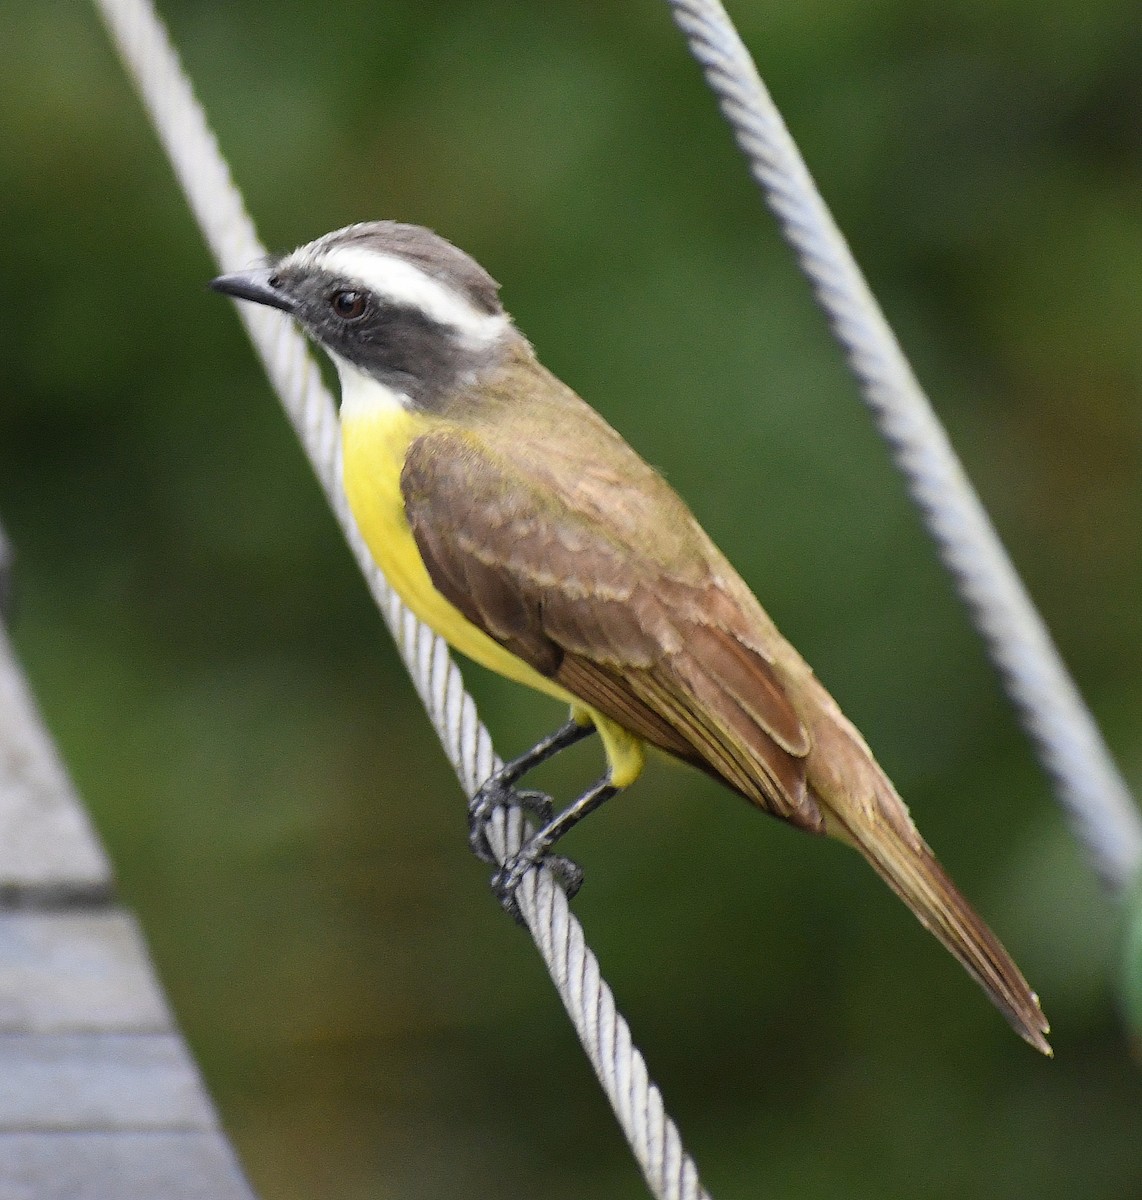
{"points": [[510, 517]]}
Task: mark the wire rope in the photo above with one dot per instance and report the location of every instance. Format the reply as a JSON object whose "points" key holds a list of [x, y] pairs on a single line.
{"points": [[1099, 806], [179, 120]]}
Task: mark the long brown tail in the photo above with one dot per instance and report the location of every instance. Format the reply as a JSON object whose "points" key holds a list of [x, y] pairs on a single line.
{"points": [[911, 870]]}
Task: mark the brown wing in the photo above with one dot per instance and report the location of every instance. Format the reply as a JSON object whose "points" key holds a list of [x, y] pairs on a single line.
{"points": [[580, 559], [596, 574]]}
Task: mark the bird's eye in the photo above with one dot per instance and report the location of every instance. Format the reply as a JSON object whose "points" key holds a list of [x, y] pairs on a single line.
{"points": [[348, 305]]}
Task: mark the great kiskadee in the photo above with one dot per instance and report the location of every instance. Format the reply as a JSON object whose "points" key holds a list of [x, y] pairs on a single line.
{"points": [[512, 519]]}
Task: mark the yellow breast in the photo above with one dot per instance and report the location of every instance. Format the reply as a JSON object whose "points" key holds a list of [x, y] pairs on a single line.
{"points": [[375, 438], [374, 443]]}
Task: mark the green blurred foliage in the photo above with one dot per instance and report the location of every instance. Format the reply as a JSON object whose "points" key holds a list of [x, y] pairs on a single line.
{"points": [[256, 761], [1132, 968]]}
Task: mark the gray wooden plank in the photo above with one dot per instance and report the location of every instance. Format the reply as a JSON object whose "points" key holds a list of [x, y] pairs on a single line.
{"points": [[119, 1166], [99, 1098], [77, 971], [46, 841], [84, 1081]]}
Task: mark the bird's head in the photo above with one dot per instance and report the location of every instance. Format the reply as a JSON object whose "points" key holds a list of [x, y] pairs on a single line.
{"points": [[390, 302]]}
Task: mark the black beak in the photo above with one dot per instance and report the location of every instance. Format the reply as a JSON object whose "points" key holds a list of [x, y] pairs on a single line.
{"points": [[259, 285]]}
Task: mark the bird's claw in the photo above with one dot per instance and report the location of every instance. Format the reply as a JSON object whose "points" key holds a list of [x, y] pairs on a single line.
{"points": [[510, 874], [497, 795], [505, 882]]}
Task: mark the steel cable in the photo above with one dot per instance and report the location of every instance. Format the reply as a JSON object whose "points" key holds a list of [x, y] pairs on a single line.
{"points": [[180, 122], [1098, 804]]}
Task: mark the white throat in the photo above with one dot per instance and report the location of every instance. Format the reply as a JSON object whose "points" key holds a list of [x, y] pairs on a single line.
{"points": [[363, 396]]}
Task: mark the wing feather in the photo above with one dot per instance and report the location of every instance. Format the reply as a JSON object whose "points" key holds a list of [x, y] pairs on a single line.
{"points": [[653, 640]]}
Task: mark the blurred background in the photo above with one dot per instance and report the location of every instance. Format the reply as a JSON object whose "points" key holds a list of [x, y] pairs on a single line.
{"points": [[230, 706]]}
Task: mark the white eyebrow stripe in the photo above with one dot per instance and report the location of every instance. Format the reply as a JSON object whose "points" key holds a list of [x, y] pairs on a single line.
{"points": [[399, 281]]}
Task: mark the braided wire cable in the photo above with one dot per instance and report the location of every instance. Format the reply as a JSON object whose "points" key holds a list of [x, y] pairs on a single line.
{"points": [[166, 93], [1098, 804]]}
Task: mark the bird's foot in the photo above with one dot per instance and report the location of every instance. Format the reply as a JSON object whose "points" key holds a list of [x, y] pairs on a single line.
{"points": [[506, 881], [500, 792], [496, 794]]}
